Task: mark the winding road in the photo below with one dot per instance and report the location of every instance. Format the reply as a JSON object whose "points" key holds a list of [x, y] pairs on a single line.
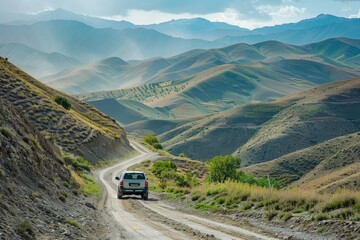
{"points": [[153, 219]]}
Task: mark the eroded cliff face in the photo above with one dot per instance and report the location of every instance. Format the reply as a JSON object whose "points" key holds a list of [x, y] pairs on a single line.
{"points": [[81, 130]]}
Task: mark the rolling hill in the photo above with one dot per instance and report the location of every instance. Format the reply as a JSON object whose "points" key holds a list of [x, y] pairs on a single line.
{"points": [[34, 62], [82, 130], [183, 67], [242, 74], [309, 139], [313, 117]]}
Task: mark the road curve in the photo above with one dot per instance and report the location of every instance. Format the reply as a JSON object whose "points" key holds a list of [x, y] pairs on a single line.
{"points": [[139, 227]]}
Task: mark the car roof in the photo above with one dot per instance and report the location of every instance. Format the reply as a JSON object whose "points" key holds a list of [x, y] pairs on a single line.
{"points": [[126, 171]]}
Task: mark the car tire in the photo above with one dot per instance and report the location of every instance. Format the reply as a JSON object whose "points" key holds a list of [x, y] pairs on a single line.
{"points": [[145, 197], [119, 195]]}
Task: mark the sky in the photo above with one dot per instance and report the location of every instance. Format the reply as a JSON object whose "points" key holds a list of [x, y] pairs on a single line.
{"points": [[244, 13]]}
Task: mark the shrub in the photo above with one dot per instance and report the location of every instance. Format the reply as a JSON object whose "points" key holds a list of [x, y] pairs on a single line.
{"points": [[157, 146], [222, 168], [270, 214], [339, 201], [63, 102], [150, 139], [25, 230], [163, 166]]}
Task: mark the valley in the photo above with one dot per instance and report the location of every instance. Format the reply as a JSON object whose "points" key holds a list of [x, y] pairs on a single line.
{"points": [[242, 133]]}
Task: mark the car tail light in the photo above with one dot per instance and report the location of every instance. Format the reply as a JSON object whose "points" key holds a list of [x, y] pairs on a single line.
{"points": [[146, 183], [122, 183]]}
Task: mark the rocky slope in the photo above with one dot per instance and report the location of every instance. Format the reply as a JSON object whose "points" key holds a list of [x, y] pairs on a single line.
{"points": [[82, 130], [37, 199]]}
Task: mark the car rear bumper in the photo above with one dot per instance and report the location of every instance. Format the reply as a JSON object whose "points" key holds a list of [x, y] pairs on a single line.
{"points": [[131, 191]]}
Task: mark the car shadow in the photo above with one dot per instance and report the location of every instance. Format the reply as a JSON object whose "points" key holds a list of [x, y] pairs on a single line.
{"points": [[134, 197]]}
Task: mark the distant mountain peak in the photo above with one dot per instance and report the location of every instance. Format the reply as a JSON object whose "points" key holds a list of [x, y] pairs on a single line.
{"points": [[57, 12], [114, 61]]}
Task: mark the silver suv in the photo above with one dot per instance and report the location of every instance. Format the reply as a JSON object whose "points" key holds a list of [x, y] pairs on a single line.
{"points": [[133, 183]]}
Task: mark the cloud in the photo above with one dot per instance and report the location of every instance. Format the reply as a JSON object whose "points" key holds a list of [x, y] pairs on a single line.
{"points": [[287, 11], [355, 15]]}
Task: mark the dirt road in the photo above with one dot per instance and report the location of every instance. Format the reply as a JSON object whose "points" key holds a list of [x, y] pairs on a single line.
{"points": [[153, 219]]}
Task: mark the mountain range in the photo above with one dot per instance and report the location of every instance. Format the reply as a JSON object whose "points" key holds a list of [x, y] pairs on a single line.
{"points": [[35, 62], [88, 39]]}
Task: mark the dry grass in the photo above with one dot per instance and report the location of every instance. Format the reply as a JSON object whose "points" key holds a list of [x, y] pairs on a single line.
{"points": [[281, 204]]}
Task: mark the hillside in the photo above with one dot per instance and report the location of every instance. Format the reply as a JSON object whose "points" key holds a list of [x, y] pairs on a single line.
{"points": [[34, 62], [327, 166], [280, 130], [38, 197], [218, 134], [128, 111], [82, 130], [312, 117]]}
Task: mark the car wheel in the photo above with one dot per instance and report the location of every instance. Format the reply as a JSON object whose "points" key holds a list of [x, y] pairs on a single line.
{"points": [[145, 197], [119, 195]]}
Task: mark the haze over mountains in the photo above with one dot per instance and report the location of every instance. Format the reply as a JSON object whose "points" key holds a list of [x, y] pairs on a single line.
{"points": [[202, 82], [89, 39]]}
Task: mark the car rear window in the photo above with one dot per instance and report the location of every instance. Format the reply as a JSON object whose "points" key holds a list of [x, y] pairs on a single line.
{"points": [[138, 176]]}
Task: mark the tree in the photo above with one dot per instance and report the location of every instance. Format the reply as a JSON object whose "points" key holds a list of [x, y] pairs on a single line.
{"points": [[152, 140], [222, 168], [63, 102]]}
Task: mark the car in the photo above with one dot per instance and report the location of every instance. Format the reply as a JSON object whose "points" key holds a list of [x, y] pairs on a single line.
{"points": [[133, 183]]}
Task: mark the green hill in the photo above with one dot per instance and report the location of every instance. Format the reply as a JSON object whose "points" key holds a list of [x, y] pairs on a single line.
{"points": [[326, 166], [312, 117], [309, 139]]}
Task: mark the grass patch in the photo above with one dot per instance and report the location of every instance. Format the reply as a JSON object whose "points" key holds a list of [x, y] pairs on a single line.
{"points": [[7, 132], [90, 187], [77, 162], [72, 222]]}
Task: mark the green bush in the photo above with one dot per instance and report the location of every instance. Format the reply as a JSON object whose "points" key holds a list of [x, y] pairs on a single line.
{"points": [[222, 168], [63, 102], [161, 166], [150, 139], [153, 141], [157, 146]]}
